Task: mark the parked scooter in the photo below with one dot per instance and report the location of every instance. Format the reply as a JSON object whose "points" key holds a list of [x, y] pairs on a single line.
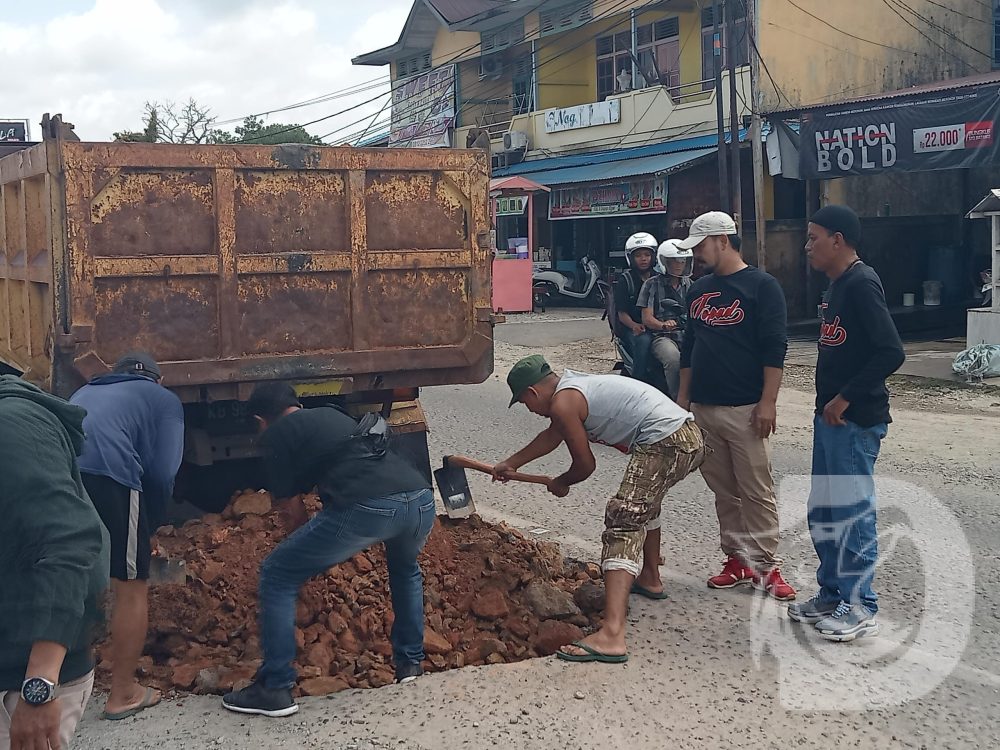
{"points": [[550, 287]]}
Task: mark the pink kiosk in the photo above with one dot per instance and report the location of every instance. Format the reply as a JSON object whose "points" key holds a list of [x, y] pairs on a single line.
{"points": [[513, 216]]}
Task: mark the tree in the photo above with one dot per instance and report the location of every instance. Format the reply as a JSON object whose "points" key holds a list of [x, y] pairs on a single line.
{"points": [[253, 130], [148, 135], [170, 123], [191, 123]]}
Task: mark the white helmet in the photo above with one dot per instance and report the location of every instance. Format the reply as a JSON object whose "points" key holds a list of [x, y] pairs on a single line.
{"points": [[669, 250], [637, 241]]}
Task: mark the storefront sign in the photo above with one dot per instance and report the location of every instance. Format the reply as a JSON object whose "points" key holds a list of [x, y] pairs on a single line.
{"points": [[423, 109], [646, 195], [513, 205], [583, 116], [955, 130], [13, 130]]}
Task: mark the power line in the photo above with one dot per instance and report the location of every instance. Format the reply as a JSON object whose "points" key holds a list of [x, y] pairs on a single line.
{"points": [[925, 36], [942, 29], [534, 70], [960, 13], [767, 71], [350, 90], [847, 33]]}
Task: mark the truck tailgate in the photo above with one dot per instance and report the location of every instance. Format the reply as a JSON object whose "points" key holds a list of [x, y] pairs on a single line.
{"points": [[236, 264]]}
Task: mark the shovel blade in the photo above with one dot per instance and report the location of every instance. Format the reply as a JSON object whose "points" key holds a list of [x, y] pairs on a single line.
{"points": [[455, 493], [164, 570]]}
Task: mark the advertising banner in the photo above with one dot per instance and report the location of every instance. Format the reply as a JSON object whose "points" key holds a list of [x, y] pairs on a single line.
{"points": [[13, 130], [423, 109], [641, 195], [949, 130]]}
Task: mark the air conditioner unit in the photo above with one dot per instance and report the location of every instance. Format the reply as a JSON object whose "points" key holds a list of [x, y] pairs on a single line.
{"points": [[490, 67], [515, 140]]}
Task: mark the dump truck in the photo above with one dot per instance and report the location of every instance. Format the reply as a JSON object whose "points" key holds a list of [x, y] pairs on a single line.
{"points": [[358, 275]]}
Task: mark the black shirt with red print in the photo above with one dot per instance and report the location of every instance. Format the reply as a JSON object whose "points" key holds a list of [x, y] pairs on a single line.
{"points": [[859, 347], [736, 327]]}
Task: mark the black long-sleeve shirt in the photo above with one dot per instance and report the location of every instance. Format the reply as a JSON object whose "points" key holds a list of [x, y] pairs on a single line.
{"points": [[314, 448], [859, 347], [736, 327]]}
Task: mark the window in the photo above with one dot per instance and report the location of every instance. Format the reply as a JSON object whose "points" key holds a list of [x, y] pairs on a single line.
{"points": [[567, 17], [498, 39], [741, 46], [996, 36], [658, 52], [411, 66], [521, 84]]}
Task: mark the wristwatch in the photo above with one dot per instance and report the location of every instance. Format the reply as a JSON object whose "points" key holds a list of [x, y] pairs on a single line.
{"points": [[36, 691]]}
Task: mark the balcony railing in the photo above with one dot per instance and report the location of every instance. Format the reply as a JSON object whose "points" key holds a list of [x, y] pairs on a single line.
{"points": [[643, 116]]}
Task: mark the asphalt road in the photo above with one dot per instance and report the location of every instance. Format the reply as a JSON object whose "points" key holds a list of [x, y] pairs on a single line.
{"points": [[708, 669]]}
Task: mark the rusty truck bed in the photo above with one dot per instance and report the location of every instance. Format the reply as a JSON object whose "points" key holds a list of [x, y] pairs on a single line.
{"points": [[360, 269]]}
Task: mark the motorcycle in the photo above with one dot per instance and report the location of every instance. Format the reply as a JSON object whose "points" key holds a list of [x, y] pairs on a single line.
{"points": [[548, 286]]}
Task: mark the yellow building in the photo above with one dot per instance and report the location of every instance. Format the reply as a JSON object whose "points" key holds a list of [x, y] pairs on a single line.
{"points": [[623, 89], [611, 105]]}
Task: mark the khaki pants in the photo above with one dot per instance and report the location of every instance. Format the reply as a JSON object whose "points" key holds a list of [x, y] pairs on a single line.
{"points": [[72, 696], [738, 471], [652, 470]]}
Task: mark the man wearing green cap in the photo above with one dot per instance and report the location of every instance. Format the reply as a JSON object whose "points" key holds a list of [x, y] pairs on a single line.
{"points": [[665, 445]]}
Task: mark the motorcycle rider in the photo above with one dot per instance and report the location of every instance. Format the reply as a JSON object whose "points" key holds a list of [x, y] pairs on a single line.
{"points": [[663, 299], [639, 250]]}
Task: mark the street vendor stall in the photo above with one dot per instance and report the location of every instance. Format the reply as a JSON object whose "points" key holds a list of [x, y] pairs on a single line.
{"points": [[984, 322], [512, 205]]}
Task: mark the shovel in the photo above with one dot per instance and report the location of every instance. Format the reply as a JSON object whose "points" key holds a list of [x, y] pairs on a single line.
{"points": [[454, 485]]}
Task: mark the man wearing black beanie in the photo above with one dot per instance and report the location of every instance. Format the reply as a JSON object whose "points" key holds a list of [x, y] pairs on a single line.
{"points": [[859, 348]]}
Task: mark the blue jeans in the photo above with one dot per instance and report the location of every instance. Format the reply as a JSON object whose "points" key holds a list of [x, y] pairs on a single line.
{"points": [[333, 535], [639, 348], [842, 510]]}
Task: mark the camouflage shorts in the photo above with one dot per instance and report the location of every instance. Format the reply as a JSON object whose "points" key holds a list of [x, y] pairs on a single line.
{"points": [[653, 470]]}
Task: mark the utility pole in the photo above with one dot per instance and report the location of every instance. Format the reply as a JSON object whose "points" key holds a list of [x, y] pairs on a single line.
{"points": [[756, 96], [720, 115], [734, 113]]}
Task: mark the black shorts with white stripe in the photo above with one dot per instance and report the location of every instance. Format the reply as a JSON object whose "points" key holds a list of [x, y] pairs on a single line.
{"points": [[121, 509]]}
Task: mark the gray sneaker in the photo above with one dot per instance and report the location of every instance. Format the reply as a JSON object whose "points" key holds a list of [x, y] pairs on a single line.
{"points": [[811, 611], [850, 621]]}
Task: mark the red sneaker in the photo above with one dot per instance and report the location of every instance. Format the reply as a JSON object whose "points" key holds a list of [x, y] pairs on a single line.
{"points": [[733, 574], [774, 585]]}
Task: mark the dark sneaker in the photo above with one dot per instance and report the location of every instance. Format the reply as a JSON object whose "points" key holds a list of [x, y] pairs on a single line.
{"points": [[257, 699], [812, 611], [408, 672], [734, 573], [848, 622]]}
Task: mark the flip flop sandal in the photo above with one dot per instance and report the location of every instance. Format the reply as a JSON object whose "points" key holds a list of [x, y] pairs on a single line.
{"points": [[147, 702], [591, 655], [642, 591]]}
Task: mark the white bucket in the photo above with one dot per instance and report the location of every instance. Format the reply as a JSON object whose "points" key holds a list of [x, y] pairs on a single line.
{"points": [[909, 299], [932, 293]]}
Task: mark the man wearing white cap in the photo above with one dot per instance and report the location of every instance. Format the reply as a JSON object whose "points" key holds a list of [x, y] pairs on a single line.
{"points": [[732, 356]]}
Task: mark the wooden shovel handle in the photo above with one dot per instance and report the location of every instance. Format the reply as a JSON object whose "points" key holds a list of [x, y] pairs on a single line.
{"points": [[464, 462]]}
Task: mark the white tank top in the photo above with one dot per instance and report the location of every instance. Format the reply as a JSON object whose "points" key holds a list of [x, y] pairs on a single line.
{"points": [[624, 412]]}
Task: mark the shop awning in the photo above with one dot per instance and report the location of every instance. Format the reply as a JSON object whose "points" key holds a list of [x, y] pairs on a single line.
{"points": [[531, 168], [612, 170]]}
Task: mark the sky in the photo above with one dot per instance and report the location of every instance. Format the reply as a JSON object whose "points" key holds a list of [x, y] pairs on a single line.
{"points": [[98, 61]]}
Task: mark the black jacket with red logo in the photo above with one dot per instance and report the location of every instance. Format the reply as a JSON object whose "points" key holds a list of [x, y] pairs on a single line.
{"points": [[859, 347], [736, 328]]}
